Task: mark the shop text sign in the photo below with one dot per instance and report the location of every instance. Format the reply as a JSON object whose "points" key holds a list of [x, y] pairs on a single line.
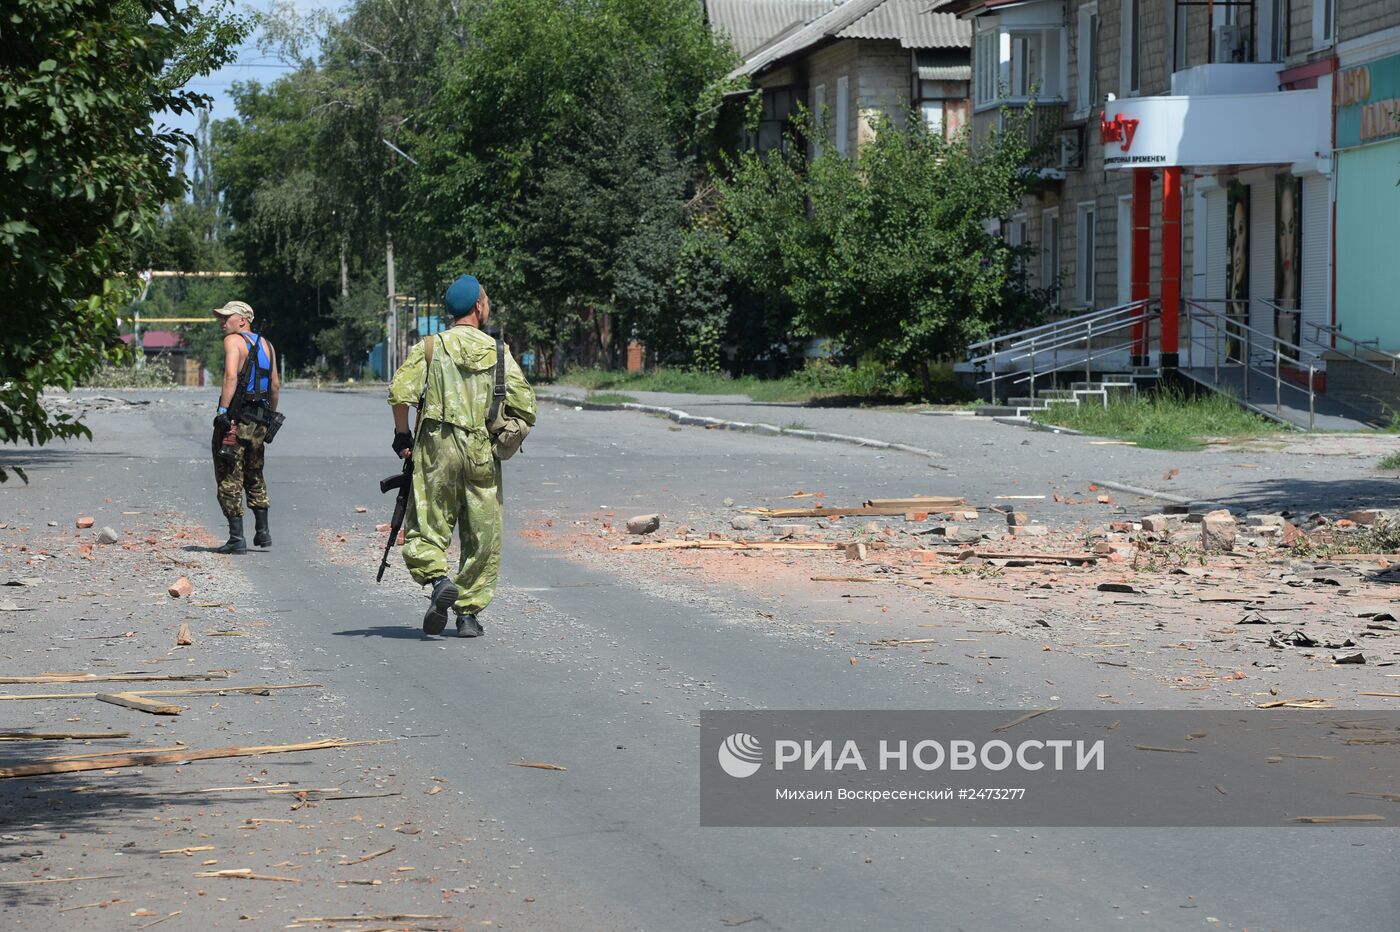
{"points": [[1367, 102], [1120, 129]]}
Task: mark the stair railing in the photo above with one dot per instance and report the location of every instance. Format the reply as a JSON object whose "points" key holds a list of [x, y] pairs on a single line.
{"points": [[999, 356], [1250, 343]]}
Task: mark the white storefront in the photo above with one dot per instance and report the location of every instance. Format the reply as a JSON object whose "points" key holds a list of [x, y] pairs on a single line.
{"points": [[1246, 152]]}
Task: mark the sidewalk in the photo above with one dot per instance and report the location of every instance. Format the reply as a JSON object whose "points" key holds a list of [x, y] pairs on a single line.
{"points": [[1298, 472]]}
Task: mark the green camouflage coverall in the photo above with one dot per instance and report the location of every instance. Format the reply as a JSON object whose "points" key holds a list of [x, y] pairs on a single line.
{"points": [[456, 480]]}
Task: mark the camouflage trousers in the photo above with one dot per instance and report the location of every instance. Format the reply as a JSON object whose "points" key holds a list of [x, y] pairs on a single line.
{"points": [[456, 486], [243, 474]]}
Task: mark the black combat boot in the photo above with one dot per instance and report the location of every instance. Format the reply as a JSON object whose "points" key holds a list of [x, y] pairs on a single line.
{"points": [[236, 542], [262, 537], [469, 627], [439, 604]]}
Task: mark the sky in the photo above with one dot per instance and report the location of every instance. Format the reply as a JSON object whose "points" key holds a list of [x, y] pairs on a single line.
{"points": [[251, 65]]}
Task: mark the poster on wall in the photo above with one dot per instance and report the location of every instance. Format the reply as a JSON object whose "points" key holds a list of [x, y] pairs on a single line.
{"points": [[1236, 266], [1288, 278]]}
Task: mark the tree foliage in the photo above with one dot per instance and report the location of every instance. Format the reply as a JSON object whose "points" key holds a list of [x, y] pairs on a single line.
{"points": [[886, 254], [82, 170], [556, 159]]}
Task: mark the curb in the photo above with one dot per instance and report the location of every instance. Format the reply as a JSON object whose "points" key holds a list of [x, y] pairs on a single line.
{"points": [[771, 430]]}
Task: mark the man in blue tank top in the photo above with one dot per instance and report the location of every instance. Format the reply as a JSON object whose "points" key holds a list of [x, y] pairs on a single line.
{"points": [[238, 444]]}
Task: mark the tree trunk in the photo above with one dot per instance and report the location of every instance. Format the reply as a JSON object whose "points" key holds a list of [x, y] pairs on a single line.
{"points": [[926, 380]]}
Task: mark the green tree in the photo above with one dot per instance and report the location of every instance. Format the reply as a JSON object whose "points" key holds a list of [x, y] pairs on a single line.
{"points": [[82, 170], [886, 254], [556, 159]]}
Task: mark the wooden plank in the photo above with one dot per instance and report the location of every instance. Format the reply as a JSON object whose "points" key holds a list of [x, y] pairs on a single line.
{"points": [[1035, 557], [133, 701], [113, 677], [915, 503], [864, 511], [731, 545], [113, 761], [192, 691], [61, 735]]}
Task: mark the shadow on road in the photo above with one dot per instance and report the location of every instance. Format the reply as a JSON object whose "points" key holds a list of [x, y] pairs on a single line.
{"points": [[1302, 496], [400, 632]]}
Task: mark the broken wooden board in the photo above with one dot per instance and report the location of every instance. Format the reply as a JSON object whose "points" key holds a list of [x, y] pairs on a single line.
{"points": [[731, 545], [118, 759], [115, 677], [61, 735], [864, 511], [134, 701], [1032, 557], [192, 691], [916, 503]]}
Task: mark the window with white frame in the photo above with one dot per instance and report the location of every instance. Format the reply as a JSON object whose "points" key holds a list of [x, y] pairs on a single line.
{"points": [[1085, 246], [1050, 253], [1324, 23], [1017, 64], [1130, 48], [933, 115], [1087, 62], [988, 76], [843, 114], [819, 115]]}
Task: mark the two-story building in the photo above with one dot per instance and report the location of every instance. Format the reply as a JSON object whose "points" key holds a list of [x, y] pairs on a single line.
{"points": [[857, 59], [1195, 163]]}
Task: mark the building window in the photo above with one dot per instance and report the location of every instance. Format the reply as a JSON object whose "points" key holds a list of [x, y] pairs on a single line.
{"points": [[819, 115], [988, 66], [1087, 90], [1017, 65], [1181, 38], [1084, 248], [1130, 48], [843, 115], [933, 116], [1278, 32], [1050, 254], [1324, 23]]}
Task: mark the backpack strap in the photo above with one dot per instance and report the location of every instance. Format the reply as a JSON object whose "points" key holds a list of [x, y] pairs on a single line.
{"points": [[498, 393]]}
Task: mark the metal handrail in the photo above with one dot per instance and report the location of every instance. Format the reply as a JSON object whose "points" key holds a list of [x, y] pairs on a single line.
{"points": [[1057, 324], [1061, 367], [1078, 331], [1358, 346], [1272, 345]]}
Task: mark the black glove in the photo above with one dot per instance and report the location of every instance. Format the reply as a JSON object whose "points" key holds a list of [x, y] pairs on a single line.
{"points": [[402, 441], [222, 424]]}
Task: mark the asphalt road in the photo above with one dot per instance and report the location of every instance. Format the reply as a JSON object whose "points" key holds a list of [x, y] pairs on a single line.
{"points": [[606, 675]]}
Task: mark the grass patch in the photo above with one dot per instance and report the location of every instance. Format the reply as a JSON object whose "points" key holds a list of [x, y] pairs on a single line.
{"points": [[820, 379], [610, 398], [1390, 462], [1163, 420]]}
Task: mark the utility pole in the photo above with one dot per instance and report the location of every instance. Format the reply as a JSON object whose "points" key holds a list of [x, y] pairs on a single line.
{"points": [[391, 331]]}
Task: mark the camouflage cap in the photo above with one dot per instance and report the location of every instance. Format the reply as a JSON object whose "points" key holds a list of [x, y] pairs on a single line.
{"points": [[241, 308]]}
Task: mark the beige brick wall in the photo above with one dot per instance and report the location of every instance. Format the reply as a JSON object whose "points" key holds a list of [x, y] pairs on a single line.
{"points": [[825, 67], [1356, 18]]}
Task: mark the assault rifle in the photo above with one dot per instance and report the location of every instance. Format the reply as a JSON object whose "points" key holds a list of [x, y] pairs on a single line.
{"points": [[404, 483]]}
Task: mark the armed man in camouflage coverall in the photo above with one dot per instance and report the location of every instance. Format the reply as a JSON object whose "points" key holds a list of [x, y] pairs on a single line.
{"points": [[456, 478]]}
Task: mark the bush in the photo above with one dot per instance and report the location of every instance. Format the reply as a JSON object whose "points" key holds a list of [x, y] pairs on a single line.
{"points": [[154, 375]]}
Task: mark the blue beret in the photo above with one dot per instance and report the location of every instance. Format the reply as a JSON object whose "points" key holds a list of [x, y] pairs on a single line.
{"points": [[462, 295]]}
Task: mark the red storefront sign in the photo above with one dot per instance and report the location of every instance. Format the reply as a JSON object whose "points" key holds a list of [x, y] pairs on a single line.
{"points": [[1117, 129]]}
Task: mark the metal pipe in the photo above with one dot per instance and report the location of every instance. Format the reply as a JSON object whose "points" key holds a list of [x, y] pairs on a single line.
{"points": [[1089, 352], [1311, 396], [1278, 381]]}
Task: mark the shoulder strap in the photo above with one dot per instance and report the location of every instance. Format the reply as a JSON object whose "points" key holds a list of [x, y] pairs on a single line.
{"points": [[498, 393], [427, 367], [254, 341]]}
